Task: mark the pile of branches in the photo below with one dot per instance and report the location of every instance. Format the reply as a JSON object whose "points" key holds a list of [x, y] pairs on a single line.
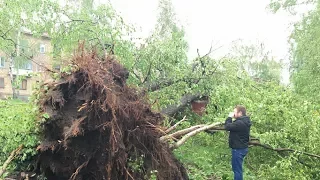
{"points": [[181, 136], [99, 128]]}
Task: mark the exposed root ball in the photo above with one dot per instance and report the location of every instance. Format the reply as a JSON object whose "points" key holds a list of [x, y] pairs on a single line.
{"points": [[99, 128]]}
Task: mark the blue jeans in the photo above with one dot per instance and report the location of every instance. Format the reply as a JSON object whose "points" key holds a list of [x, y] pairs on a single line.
{"points": [[237, 161]]}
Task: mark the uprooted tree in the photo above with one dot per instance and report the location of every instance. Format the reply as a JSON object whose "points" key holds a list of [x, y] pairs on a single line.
{"points": [[97, 127], [161, 69]]}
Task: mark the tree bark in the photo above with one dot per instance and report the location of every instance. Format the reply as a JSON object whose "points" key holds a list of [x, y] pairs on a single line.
{"points": [[11, 66], [195, 132], [185, 100], [180, 133], [14, 95]]}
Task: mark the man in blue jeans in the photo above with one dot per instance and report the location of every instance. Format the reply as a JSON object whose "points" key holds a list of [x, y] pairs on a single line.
{"points": [[238, 138]]}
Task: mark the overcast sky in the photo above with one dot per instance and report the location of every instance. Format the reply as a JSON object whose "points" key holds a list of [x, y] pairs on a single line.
{"points": [[220, 21]]}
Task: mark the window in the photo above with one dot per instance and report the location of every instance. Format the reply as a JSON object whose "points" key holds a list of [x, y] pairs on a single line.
{"points": [[42, 48], [1, 82], [23, 85], [1, 61], [23, 46], [28, 66]]}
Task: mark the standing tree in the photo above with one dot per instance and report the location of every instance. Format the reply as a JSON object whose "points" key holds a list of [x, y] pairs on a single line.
{"points": [[257, 61], [15, 18], [304, 47]]}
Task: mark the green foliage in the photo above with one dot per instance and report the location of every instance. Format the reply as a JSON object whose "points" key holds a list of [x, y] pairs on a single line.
{"points": [[289, 5], [18, 127], [305, 52], [206, 156], [16, 14], [267, 70], [257, 61], [281, 118], [136, 164]]}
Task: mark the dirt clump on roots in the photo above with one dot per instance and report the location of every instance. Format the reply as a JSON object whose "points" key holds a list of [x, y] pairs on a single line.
{"points": [[99, 128]]}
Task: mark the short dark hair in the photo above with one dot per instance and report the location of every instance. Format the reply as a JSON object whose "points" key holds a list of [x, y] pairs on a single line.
{"points": [[242, 109]]}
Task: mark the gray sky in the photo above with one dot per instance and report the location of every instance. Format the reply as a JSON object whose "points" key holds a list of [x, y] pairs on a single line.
{"points": [[217, 21]]}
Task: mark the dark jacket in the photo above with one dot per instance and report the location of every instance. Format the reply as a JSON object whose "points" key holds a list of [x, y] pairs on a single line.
{"points": [[239, 132]]}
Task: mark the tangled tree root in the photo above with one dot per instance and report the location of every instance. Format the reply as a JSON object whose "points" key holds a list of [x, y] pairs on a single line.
{"points": [[99, 128]]}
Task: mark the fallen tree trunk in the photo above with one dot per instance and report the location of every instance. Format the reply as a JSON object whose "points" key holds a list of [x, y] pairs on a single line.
{"points": [[185, 100]]}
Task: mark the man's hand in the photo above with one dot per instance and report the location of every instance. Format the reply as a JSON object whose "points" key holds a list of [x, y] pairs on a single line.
{"points": [[231, 114]]}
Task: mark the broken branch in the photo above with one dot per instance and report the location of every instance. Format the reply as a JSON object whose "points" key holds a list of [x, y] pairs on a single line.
{"points": [[180, 133], [175, 126], [10, 158], [192, 133]]}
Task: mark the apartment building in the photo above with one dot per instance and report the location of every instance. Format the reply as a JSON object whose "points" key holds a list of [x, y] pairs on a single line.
{"points": [[31, 70]]}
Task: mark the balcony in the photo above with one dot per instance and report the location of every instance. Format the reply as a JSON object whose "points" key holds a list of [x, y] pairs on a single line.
{"points": [[22, 72], [23, 69]]}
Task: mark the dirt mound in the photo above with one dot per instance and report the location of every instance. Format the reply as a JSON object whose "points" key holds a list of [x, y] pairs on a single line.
{"points": [[99, 128]]}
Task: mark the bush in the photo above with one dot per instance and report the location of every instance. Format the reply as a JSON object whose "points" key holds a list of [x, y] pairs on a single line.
{"points": [[17, 127]]}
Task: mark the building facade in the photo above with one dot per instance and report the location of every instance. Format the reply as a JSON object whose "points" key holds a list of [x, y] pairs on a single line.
{"points": [[31, 70]]}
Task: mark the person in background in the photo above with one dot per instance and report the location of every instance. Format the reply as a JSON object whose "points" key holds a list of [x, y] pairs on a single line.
{"points": [[238, 138]]}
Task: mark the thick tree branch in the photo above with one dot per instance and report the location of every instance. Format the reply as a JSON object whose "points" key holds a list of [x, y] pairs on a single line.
{"points": [[255, 143], [162, 83], [183, 132], [168, 82], [180, 133], [195, 132], [185, 100]]}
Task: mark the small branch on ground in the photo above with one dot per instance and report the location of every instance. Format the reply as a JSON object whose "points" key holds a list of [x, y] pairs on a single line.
{"points": [[13, 154]]}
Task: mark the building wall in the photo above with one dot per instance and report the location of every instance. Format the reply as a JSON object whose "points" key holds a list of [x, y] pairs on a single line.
{"points": [[41, 59]]}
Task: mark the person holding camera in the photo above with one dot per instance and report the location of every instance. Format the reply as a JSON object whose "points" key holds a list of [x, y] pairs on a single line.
{"points": [[238, 138]]}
